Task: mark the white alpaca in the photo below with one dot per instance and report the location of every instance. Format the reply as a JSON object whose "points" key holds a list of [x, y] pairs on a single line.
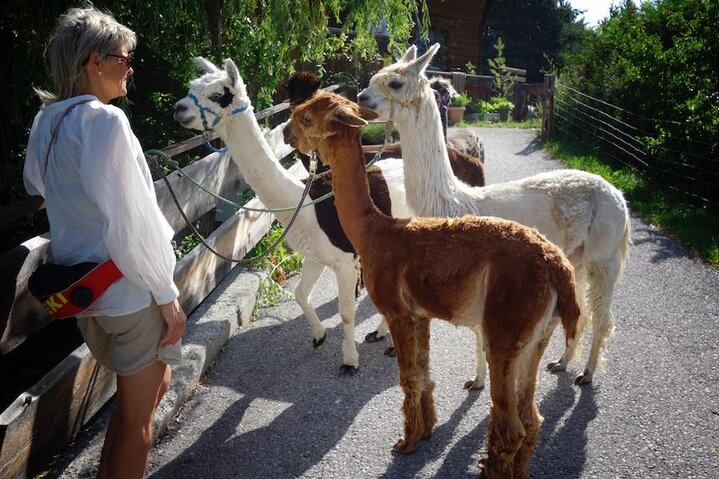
{"points": [[219, 100], [580, 212]]}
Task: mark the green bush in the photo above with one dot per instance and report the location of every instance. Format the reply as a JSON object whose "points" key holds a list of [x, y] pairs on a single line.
{"points": [[479, 106], [373, 134], [499, 103]]}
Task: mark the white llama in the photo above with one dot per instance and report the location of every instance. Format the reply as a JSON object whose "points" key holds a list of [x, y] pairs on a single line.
{"points": [[219, 100], [580, 212]]}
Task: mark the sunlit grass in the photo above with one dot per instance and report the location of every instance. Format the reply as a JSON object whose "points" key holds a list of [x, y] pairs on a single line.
{"points": [[534, 123], [696, 227]]}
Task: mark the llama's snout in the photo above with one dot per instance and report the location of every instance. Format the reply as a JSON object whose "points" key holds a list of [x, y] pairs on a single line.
{"points": [[182, 113], [288, 136], [364, 99]]}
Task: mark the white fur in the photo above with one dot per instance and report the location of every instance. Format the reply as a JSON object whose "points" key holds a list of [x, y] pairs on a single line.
{"points": [[276, 187], [580, 212]]}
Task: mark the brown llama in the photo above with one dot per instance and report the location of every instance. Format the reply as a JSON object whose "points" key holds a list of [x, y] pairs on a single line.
{"points": [[506, 278]]}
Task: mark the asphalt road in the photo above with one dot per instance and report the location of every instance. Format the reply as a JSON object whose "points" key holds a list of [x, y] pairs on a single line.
{"points": [[273, 407]]}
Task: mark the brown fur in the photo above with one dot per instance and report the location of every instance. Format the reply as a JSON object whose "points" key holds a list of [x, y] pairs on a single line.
{"points": [[510, 269]]}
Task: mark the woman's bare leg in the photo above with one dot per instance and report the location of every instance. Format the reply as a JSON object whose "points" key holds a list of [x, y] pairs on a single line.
{"points": [[129, 435]]}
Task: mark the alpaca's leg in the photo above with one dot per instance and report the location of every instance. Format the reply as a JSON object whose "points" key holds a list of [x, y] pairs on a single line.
{"points": [[528, 411], [532, 420], [405, 339], [602, 279], [379, 333], [505, 433], [573, 346], [481, 368], [311, 271], [429, 417], [346, 282]]}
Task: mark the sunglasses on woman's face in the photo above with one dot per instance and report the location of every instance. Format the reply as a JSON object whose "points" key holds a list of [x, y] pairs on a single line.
{"points": [[126, 59]]}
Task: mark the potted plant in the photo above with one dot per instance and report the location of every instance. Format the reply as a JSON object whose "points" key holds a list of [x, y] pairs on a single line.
{"points": [[477, 110], [502, 106], [457, 107]]}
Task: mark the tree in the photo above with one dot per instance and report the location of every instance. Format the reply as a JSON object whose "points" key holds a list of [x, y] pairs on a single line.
{"points": [[659, 61], [503, 80], [537, 34]]}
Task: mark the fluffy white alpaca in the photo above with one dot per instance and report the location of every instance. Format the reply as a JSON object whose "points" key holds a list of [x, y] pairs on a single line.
{"points": [[218, 100], [580, 212]]}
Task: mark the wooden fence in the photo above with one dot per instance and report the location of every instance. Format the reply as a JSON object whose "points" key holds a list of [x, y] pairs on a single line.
{"points": [[42, 420]]}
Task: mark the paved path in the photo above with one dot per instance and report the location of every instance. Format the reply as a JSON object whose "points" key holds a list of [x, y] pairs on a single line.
{"points": [[272, 407]]}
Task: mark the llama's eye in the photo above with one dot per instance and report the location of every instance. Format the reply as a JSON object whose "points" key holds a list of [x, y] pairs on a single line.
{"points": [[307, 120], [223, 99], [395, 85]]}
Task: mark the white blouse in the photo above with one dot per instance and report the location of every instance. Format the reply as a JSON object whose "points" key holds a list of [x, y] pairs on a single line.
{"points": [[101, 201]]}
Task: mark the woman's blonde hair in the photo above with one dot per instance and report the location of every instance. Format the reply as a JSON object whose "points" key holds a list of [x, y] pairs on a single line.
{"points": [[78, 33]]}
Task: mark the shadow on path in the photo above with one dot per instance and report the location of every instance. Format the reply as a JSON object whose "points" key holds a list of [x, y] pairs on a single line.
{"points": [[304, 407], [562, 448]]}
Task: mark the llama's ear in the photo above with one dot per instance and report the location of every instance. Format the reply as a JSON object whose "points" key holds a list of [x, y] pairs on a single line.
{"points": [[410, 54], [233, 73], [347, 117], [420, 64], [368, 114], [206, 65]]}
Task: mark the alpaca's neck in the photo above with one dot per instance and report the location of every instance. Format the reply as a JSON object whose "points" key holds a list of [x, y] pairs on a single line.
{"points": [[272, 183], [359, 217], [431, 186]]}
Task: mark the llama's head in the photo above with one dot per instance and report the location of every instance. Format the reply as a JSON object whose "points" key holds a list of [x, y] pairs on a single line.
{"points": [[396, 90], [301, 86], [324, 115], [444, 89], [213, 98]]}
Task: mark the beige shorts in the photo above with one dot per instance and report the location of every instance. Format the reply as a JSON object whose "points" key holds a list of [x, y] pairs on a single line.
{"points": [[128, 344]]}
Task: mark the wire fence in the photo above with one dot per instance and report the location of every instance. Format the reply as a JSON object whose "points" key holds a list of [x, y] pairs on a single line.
{"points": [[659, 151]]}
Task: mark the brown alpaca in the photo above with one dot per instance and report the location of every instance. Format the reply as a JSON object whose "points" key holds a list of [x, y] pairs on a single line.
{"points": [[469, 271]]}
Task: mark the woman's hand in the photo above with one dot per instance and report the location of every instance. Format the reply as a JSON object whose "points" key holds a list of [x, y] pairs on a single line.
{"points": [[175, 319]]}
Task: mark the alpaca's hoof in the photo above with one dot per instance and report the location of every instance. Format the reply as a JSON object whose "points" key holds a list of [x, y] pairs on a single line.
{"points": [[474, 385], [316, 343], [556, 367], [347, 370], [583, 379], [404, 446], [390, 352], [373, 337]]}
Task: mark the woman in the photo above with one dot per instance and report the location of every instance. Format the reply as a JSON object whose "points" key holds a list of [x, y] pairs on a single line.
{"points": [[101, 204]]}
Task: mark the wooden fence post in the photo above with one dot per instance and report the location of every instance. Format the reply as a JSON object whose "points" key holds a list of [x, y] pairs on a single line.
{"points": [[547, 105], [520, 102]]}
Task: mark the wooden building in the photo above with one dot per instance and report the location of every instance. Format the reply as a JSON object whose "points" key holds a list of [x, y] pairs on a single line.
{"points": [[457, 26]]}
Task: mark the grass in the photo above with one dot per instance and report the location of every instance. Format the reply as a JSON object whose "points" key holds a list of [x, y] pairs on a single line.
{"points": [[281, 263], [534, 123], [696, 227]]}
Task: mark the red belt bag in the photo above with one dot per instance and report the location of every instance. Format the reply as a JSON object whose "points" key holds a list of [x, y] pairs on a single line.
{"points": [[67, 291]]}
